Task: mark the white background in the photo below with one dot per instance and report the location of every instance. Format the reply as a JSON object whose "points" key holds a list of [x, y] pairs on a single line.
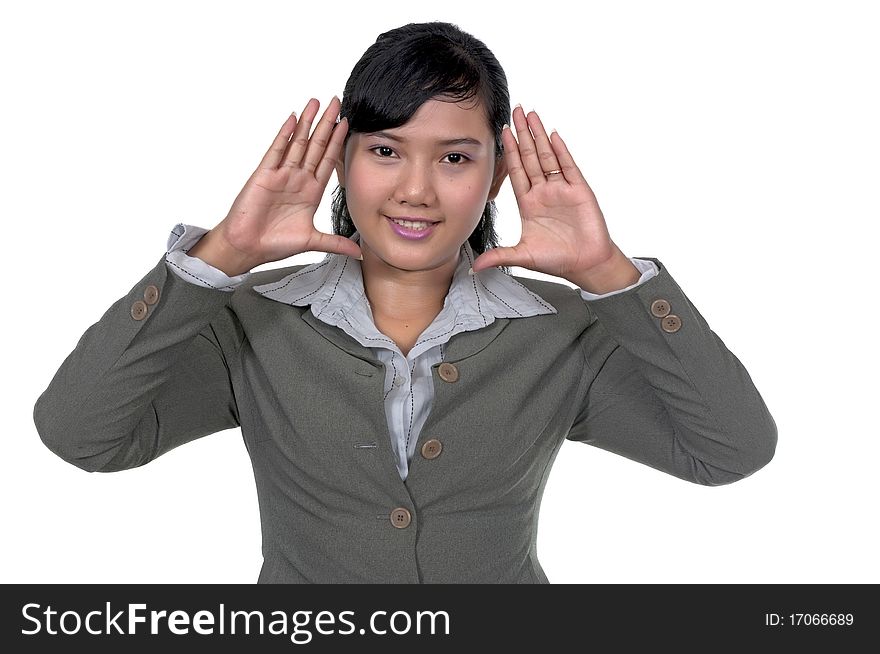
{"points": [[736, 142]]}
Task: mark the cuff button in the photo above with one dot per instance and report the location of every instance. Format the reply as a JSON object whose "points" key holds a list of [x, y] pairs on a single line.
{"points": [[139, 310], [151, 294], [660, 308], [671, 323]]}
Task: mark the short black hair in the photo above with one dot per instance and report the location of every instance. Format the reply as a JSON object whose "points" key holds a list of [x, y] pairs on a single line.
{"points": [[408, 66]]}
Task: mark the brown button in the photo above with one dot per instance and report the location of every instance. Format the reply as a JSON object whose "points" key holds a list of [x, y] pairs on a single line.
{"points": [[671, 323], [660, 308], [151, 294], [448, 372], [400, 518], [432, 448], [139, 310]]}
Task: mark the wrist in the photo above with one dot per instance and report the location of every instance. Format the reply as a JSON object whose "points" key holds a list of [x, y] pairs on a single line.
{"points": [[617, 273], [213, 249]]}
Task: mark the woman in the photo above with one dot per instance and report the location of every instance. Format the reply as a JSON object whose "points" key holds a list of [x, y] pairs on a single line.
{"points": [[403, 400]]}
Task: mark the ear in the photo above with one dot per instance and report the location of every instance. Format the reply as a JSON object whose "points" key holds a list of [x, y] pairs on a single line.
{"points": [[499, 177], [340, 172]]}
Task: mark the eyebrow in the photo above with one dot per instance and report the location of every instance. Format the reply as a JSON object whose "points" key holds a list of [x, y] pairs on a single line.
{"points": [[458, 141]]}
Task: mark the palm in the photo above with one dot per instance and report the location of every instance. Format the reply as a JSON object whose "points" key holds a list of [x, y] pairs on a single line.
{"points": [[563, 229], [285, 199], [273, 216]]}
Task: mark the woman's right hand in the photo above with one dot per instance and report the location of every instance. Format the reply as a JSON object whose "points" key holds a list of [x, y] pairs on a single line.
{"points": [[272, 217]]}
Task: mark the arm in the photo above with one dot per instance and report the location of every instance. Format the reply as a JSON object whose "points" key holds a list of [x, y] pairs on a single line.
{"points": [[664, 390], [145, 378], [149, 377], [667, 392]]}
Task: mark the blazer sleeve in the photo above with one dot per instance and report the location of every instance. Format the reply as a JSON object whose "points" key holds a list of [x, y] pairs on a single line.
{"points": [[150, 375], [665, 390]]}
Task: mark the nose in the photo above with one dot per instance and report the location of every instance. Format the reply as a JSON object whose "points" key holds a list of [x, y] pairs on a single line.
{"points": [[415, 185]]}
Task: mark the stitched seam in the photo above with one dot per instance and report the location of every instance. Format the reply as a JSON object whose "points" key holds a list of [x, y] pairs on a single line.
{"points": [[476, 295], [294, 276], [394, 368], [411, 407], [299, 299], [499, 299], [425, 340], [197, 277], [370, 338], [538, 298], [335, 286]]}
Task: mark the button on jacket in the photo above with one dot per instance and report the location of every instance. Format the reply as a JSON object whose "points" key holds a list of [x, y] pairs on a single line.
{"points": [[334, 290], [661, 390]]}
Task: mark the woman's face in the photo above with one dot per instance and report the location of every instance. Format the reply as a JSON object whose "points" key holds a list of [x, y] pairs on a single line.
{"points": [[409, 172]]}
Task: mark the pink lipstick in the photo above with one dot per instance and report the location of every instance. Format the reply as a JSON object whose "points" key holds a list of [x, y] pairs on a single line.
{"points": [[411, 232]]}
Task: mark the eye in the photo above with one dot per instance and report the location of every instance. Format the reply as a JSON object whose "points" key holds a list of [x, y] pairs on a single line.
{"points": [[462, 158], [381, 147]]}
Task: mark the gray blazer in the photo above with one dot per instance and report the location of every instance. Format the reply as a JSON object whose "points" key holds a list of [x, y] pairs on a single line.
{"points": [[639, 373]]}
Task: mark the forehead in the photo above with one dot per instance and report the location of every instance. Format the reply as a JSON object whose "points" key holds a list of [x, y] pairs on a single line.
{"points": [[436, 120]]}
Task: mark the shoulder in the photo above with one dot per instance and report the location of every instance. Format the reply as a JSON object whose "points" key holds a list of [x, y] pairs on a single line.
{"points": [[565, 298], [562, 296], [246, 299]]}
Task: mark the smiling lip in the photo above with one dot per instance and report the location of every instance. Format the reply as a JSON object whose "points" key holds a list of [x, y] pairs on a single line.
{"points": [[413, 219], [411, 234]]}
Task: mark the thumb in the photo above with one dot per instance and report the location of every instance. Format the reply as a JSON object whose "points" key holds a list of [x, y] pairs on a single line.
{"points": [[336, 244], [500, 256]]}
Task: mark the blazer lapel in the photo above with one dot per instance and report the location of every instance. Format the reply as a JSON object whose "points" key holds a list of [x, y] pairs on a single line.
{"points": [[466, 344], [339, 338]]}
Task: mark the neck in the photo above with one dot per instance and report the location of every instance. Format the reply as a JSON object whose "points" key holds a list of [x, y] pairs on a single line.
{"points": [[405, 295]]}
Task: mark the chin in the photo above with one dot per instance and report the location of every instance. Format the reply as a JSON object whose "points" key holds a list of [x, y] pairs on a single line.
{"points": [[410, 261]]}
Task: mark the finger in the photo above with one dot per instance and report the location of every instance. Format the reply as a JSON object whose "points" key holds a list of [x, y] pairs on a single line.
{"points": [[321, 242], [321, 138], [518, 177], [500, 256], [333, 154], [300, 140], [546, 155], [528, 153], [276, 151], [566, 162]]}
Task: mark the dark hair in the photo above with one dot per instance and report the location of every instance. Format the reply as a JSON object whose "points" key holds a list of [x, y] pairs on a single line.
{"points": [[408, 66]]}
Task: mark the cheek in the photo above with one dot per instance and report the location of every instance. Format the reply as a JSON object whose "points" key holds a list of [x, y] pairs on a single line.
{"points": [[475, 192], [363, 188]]}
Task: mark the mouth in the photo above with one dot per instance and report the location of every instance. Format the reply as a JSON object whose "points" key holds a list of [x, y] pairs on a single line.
{"points": [[411, 227], [411, 222]]}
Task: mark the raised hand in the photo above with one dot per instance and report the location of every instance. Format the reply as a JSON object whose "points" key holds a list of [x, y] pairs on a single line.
{"points": [[272, 218], [563, 229]]}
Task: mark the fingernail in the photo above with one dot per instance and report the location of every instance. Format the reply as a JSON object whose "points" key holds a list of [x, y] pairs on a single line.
{"points": [[518, 105], [470, 271], [505, 126], [360, 257], [552, 130]]}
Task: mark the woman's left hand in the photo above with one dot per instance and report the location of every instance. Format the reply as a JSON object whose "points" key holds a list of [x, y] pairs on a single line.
{"points": [[563, 230]]}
